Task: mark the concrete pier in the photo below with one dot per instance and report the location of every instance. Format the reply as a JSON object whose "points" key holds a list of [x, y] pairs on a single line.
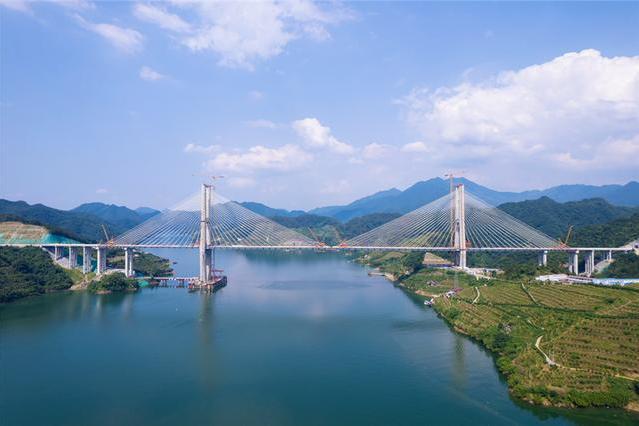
{"points": [[73, 257], [86, 260], [542, 258], [573, 262], [57, 252], [101, 260], [589, 263], [128, 262]]}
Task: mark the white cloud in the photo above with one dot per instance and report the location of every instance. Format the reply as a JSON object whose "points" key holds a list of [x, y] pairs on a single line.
{"points": [[621, 152], [74, 4], [261, 123], [244, 33], [241, 182], [342, 186], [102, 191], [375, 150], [201, 149], [149, 74], [161, 17], [571, 109], [19, 5], [316, 135], [284, 158], [124, 39], [415, 147]]}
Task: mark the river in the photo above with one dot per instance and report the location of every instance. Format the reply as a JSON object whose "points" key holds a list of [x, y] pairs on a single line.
{"points": [[295, 338]]}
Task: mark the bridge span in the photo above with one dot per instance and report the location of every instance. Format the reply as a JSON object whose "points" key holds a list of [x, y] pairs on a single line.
{"points": [[457, 223]]}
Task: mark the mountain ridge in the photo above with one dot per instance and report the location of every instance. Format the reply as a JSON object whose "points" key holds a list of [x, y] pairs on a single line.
{"points": [[423, 192]]}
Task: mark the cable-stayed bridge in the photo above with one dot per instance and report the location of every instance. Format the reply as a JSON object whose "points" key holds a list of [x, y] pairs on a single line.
{"points": [[457, 222]]}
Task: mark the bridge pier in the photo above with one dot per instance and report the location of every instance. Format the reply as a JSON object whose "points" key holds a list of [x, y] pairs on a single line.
{"points": [[73, 257], [86, 260], [608, 255], [542, 258], [128, 262], [460, 258], [57, 252], [101, 267], [590, 263], [573, 262]]}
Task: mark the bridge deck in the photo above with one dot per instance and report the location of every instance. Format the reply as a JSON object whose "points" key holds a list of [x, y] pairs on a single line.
{"points": [[338, 247]]}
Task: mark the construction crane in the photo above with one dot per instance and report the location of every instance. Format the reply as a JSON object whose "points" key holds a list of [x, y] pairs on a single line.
{"points": [[319, 242], [108, 240], [567, 239], [451, 178]]}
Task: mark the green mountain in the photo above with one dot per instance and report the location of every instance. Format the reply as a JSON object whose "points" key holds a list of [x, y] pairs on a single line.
{"points": [[613, 234], [421, 193], [79, 226], [331, 231], [120, 216], [267, 211], [554, 218]]}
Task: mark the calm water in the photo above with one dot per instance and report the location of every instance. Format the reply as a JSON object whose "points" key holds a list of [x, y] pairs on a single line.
{"points": [[294, 339]]}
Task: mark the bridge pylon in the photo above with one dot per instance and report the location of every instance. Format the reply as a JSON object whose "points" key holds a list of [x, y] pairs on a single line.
{"points": [[459, 226], [206, 249]]}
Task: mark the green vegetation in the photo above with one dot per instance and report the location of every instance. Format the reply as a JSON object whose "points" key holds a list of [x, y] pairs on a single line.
{"points": [[625, 266], [78, 226], [612, 234], [29, 271], [553, 218], [330, 231], [146, 264], [115, 282], [590, 333]]}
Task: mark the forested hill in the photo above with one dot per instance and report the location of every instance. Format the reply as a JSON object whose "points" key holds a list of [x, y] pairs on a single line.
{"points": [[331, 231], [554, 218], [421, 193], [80, 226], [120, 216], [612, 234]]}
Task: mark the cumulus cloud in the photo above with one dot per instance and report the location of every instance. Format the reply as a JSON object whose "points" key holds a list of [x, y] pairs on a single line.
{"points": [[149, 74], [415, 147], [579, 108], [244, 33], [18, 5], [375, 150], [314, 134], [161, 17], [241, 182], [124, 39], [257, 158], [201, 149]]}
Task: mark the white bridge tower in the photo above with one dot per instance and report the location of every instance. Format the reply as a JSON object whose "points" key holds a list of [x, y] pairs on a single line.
{"points": [[206, 248], [459, 226]]}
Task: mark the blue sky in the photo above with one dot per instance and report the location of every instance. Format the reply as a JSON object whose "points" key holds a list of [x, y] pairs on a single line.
{"points": [[302, 104]]}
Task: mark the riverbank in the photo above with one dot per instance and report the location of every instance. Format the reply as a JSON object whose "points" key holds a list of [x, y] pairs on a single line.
{"points": [[557, 345], [30, 271]]}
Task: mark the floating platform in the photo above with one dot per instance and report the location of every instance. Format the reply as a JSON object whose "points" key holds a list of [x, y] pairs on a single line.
{"points": [[211, 286]]}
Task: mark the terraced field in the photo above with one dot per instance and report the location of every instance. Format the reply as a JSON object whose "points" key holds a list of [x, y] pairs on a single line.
{"points": [[590, 333]]}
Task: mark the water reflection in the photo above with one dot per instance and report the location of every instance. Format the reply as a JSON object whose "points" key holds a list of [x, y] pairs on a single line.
{"points": [[294, 338]]}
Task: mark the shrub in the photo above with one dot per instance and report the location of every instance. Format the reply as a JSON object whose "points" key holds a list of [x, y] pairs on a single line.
{"points": [[114, 282]]}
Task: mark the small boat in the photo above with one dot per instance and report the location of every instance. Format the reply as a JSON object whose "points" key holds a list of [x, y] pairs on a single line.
{"points": [[428, 302]]}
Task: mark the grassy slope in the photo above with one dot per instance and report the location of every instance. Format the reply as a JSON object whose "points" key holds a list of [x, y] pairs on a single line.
{"points": [[591, 332]]}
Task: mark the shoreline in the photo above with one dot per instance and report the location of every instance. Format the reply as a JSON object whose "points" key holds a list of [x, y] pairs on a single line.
{"points": [[542, 400]]}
